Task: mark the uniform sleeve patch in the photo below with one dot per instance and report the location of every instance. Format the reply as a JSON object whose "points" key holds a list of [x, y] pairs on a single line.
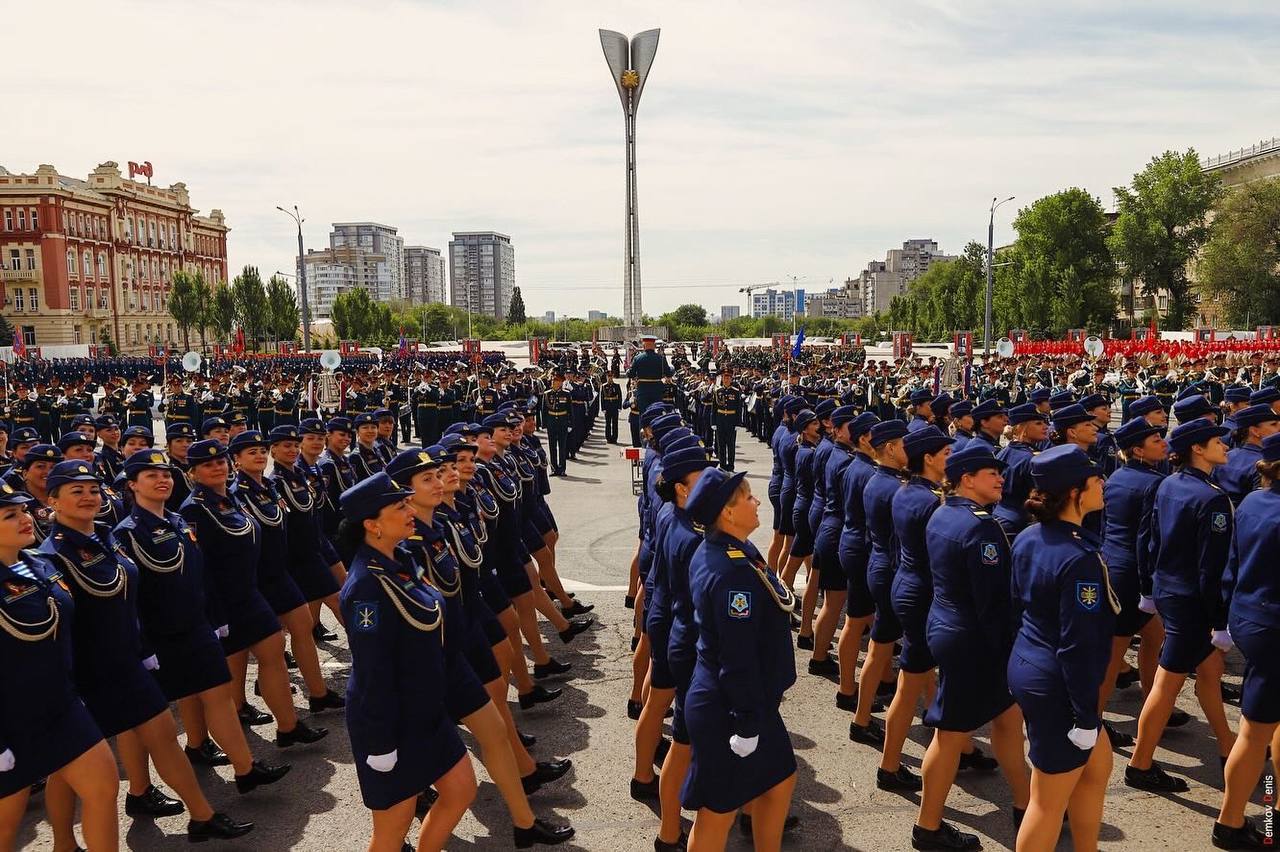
{"points": [[1088, 596], [739, 604], [1218, 523], [990, 553], [366, 616]]}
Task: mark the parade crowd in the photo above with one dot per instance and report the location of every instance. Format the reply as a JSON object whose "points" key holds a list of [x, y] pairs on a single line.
{"points": [[993, 539]]}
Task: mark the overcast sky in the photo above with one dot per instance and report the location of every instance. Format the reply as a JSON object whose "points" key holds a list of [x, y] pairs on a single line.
{"points": [[774, 139]]}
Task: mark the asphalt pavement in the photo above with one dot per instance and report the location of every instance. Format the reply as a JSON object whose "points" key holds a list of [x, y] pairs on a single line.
{"points": [[317, 807]]}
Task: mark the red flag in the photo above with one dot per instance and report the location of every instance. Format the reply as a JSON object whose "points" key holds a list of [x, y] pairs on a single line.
{"points": [[240, 340]]}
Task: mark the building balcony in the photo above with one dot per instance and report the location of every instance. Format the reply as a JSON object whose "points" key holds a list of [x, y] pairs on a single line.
{"points": [[19, 274]]}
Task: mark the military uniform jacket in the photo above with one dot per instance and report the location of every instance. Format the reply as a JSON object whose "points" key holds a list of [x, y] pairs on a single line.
{"points": [[555, 408], [1191, 536], [365, 461], [338, 475], [970, 564], [610, 396], [647, 371], [1251, 584], [1130, 495]]}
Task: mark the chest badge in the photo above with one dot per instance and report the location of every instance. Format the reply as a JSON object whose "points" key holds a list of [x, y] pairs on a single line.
{"points": [[739, 604]]}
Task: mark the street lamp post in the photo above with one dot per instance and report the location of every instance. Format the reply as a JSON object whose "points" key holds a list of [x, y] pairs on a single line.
{"points": [[991, 230], [302, 278]]}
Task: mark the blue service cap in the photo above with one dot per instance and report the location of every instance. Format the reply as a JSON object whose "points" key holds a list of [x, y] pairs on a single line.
{"points": [[41, 453], [383, 414], [971, 458], [1255, 414], [1025, 413], [652, 413], [961, 408], [207, 450], [402, 468], [670, 437], [455, 443], [24, 435], [1191, 407], [1070, 415], [842, 415], [679, 464], [82, 420], [886, 431], [282, 433], [1134, 432], [683, 443], [365, 419], [12, 497], [795, 405], [1239, 394], [179, 430], [1061, 468], [338, 424], [1193, 432], [496, 421], [1193, 389], [211, 423], [804, 418], [73, 439], [923, 442], [941, 403], [665, 424], [367, 498], [862, 424], [824, 408], [246, 440], [146, 460], [310, 426], [1061, 399], [713, 490], [106, 421], [919, 396], [70, 471], [988, 408], [1039, 395], [1266, 395], [1145, 405], [1271, 448], [138, 432], [1094, 400]]}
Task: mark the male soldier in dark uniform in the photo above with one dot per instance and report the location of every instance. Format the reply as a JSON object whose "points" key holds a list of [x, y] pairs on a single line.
{"points": [[24, 410], [178, 405], [611, 404], [579, 397], [485, 399], [727, 406], [647, 372], [45, 398], [266, 406], [285, 411], [556, 403], [138, 411], [1127, 389], [426, 411]]}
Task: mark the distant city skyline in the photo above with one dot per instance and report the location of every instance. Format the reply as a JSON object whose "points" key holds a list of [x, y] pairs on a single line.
{"points": [[808, 160]]}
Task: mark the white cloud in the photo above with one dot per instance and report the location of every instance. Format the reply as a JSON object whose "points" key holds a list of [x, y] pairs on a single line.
{"points": [[774, 139]]}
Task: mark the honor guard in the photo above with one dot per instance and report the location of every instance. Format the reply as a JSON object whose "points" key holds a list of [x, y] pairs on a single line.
{"points": [[727, 406]]}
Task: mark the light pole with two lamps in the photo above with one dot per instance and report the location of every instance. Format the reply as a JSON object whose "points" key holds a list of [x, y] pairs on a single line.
{"points": [[302, 278], [991, 229]]}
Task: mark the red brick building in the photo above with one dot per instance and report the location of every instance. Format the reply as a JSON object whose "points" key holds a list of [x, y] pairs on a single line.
{"points": [[80, 257]]}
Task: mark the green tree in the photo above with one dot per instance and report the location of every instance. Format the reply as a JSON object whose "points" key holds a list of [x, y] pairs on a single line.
{"points": [[222, 313], [282, 309], [202, 296], [183, 306], [355, 315], [1163, 223], [515, 313], [6, 331], [1063, 260], [251, 304], [1240, 267], [105, 339]]}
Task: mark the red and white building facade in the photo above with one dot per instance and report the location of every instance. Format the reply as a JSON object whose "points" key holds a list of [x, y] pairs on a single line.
{"points": [[82, 257]]}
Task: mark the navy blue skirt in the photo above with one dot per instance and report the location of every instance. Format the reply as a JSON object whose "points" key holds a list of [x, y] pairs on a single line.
{"points": [[423, 755], [1187, 634], [826, 557], [718, 779], [190, 663], [1046, 707], [130, 698], [1260, 701], [249, 622], [886, 628], [281, 592], [973, 683], [48, 744], [464, 693], [911, 606], [314, 580]]}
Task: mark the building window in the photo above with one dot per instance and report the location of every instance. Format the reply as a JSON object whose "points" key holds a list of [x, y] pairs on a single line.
{"points": [[74, 302], [102, 267], [71, 264], [173, 237], [142, 230], [88, 265], [152, 240], [22, 219], [19, 303], [31, 258], [146, 300], [33, 296], [75, 334], [15, 259], [80, 224], [128, 229], [29, 335], [8, 219], [102, 299], [93, 334], [133, 300], [35, 219]]}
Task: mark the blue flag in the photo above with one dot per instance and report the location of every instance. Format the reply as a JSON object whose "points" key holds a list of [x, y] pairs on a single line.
{"points": [[795, 350]]}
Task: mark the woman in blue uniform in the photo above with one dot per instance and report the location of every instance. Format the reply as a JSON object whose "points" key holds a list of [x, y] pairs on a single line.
{"points": [[1239, 475], [786, 449], [402, 736], [1191, 539], [854, 549], [258, 500], [1253, 589], [46, 731], [826, 542], [783, 415], [1059, 658], [174, 615], [970, 633], [111, 674], [232, 543], [741, 751], [310, 552], [1130, 494], [469, 664], [1030, 428], [882, 562], [797, 490]]}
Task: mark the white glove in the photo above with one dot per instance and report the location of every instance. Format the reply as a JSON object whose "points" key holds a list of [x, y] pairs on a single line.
{"points": [[151, 663], [1146, 604], [382, 762], [1083, 739], [743, 746], [6, 760], [223, 632], [1222, 640]]}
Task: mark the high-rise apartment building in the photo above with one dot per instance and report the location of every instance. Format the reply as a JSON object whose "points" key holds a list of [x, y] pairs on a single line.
{"points": [[383, 253], [836, 303], [424, 276], [881, 281], [482, 272], [728, 312], [778, 303]]}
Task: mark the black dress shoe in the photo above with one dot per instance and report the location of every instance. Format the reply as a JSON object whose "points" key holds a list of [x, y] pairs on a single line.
{"points": [[1154, 780], [633, 710], [260, 775], [804, 643], [635, 643], [847, 702], [576, 626], [322, 634], [426, 799], [827, 668], [526, 740], [645, 791], [1119, 739], [544, 772], [744, 823], [578, 608], [289, 662], [301, 733], [629, 601], [976, 761], [251, 716], [1230, 693], [869, 734], [257, 689], [681, 845], [1246, 836], [217, 827], [1124, 680], [207, 754], [152, 803], [538, 695], [887, 688], [37, 787], [1178, 718], [660, 753], [541, 832], [555, 667], [946, 836], [329, 701], [902, 780]]}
